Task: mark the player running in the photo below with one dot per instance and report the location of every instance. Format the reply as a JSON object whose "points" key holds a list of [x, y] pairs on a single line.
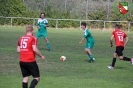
{"points": [[89, 43], [42, 30], [119, 37], [27, 49]]}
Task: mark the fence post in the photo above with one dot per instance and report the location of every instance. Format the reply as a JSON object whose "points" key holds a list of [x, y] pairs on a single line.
{"points": [[34, 22], [129, 25], [104, 26], [80, 25], [11, 22], [56, 23]]}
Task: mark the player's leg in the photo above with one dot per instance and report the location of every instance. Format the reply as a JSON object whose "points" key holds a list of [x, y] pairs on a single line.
{"points": [[46, 39], [48, 44], [34, 70], [25, 82], [119, 50], [126, 59], [25, 74], [34, 82], [113, 61], [120, 54], [88, 50]]}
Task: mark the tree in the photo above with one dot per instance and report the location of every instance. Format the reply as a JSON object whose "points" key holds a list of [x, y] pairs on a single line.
{"points": [[12, 8], [15, 8]]}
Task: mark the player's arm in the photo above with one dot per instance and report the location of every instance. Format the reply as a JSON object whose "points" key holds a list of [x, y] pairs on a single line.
{"points": [[38, 24], [111, 40], [46, 23], [126, 41], [81, 40], [38, 27], [18, 49], [37, 52], [85, 35]]}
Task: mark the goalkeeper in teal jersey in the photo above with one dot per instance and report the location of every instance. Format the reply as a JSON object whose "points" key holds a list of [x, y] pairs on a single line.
{"points": [[89, 42], [42, 30]]}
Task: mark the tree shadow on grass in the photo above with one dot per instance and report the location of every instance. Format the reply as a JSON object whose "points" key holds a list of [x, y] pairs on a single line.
{"points": [[86, 60], [118, 67], [42, 48]]}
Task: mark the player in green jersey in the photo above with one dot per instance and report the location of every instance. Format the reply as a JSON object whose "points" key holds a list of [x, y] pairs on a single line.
{"points": [[42, 30], [89, 42]]}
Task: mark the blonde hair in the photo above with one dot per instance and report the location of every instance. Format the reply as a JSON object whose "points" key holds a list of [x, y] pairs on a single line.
{"points": [[29, 28]]}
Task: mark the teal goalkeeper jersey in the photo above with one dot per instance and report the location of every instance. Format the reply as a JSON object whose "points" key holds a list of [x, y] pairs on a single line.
{"points": [[88, 36], [41, 23]]}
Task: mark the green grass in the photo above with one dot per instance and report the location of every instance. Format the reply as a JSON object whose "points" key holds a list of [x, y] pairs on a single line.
{"points": [[75, 72]]}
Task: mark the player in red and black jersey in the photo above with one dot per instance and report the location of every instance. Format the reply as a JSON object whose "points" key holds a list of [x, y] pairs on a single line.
{"points": [[119, 37], [27, 49]]}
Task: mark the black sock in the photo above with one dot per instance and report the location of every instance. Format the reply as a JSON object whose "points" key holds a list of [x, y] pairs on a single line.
{"points": [[126, 59], [113, 62], [25, 85], [33, 83]]}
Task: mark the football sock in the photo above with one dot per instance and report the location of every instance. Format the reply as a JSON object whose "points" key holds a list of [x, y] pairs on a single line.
{"points": [[91, 56], [25, 85], [113, 62], [48, 45], [33, 83], [126, 59]]}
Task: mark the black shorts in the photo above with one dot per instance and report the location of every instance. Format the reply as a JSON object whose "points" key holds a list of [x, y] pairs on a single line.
{"points": [[29, 68], [119, 50]]}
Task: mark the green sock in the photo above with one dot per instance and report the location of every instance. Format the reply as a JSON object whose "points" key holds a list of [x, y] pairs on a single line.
{"points": [[48, 45], [91, 57]]}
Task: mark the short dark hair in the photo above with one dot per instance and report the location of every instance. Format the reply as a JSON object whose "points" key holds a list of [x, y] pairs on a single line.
{"points": [[117, 26], [83, 23], [41, 14]]}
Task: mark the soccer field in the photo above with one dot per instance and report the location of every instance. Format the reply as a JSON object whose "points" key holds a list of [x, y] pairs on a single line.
{"points": [[75, 72]]}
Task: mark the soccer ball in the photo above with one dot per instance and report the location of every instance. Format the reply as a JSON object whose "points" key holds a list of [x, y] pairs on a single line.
{"points": [[62, 58]]}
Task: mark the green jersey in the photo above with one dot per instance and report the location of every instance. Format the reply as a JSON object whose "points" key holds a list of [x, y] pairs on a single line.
{"points": [[88, 36], [41, 23], [42, 31]]}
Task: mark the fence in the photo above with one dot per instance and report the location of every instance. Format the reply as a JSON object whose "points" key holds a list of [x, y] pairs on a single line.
{"points": [[76, 7], [65, 23]]}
